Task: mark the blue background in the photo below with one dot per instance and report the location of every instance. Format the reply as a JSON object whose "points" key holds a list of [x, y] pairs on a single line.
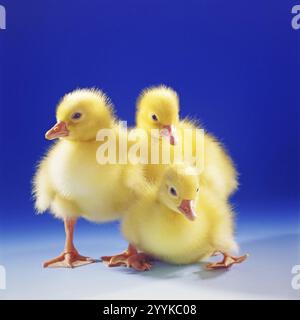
{"points": [[234, 63]]}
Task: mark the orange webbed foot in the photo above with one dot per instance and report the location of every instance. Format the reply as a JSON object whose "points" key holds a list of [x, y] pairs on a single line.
{"points": [[70, 259], [139, 262], [130, 259], [119, 259], [116, 260], [227, 262]]}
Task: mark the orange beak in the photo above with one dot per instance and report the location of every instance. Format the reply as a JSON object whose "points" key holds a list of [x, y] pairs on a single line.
{"points": [[59, 130], [169, 131], [187, 208]]}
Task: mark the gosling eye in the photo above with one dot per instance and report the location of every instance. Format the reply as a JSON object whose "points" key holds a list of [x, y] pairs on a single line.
{"points": [[197, 190], [173, 191], [76, 115], [154, 117]]}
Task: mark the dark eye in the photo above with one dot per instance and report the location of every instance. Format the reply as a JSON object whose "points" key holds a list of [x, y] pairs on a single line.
{"points": [[76, 115], [197, 190], [154, 117], [173, 191]]}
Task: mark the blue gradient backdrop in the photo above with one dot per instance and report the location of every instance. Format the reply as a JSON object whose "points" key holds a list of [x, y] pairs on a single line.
{"points": [[234, 63]]}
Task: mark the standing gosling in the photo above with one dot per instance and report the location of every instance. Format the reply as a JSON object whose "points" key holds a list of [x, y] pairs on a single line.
{"points": [[69, 181]]}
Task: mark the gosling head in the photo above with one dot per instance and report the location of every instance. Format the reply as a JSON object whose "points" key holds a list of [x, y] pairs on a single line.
{"points": [[80, 115], [158, 108], [179, 190]]}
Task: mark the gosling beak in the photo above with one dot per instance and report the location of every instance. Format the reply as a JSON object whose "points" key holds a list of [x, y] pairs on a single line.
{"points": [[187, 208], [59, 130], [169, 131]]}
